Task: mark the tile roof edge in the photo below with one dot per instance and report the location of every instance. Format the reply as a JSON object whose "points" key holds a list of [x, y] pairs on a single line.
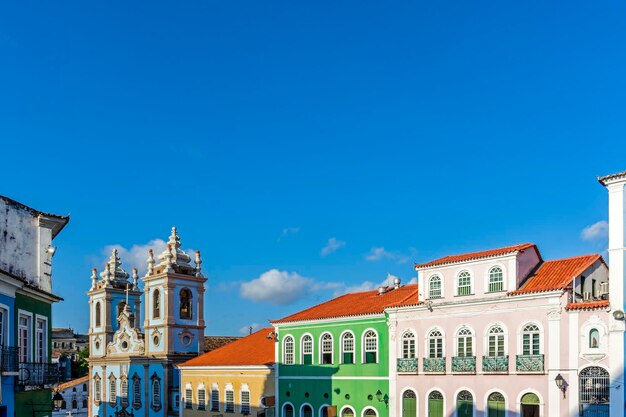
{"points": [[513, 249]]}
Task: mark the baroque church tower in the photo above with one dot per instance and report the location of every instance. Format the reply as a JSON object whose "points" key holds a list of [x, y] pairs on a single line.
{"points": [[132, 368]]}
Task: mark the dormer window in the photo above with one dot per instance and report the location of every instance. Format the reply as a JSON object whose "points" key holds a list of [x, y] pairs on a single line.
{"points": [[434, 287], [464, 283], [496, 279]]}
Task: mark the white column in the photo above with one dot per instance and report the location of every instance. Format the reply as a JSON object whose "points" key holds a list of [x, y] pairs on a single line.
{"points": [[572, 378], [554, 362], [617, 209], [393, 374]]}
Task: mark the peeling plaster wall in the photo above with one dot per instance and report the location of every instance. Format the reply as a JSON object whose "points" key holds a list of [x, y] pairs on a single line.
{"points": [[23, 243]]}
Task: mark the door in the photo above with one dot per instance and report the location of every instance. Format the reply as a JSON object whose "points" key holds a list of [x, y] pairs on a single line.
{"points": [[495, 405], [530, 410], [409, 404], [464, 404], [435, 404]]}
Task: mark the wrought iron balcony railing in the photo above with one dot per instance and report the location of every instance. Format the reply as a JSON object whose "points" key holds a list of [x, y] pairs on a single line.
{"points": [[531, 364], [38, 374], [435, 365], [465, 364], [407, 365], [8, 359], [496, 364]]}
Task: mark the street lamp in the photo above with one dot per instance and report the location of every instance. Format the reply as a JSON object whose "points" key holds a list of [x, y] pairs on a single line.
{"points": [[57, 401], [561, 384]]}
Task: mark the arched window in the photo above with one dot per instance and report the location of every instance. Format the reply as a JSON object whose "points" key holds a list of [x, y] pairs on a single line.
{"points": [[97, 389], [464, 404], [347, 412], [306, 346], [120, 307], [84, 387], [136, 391], [530, 340], [245, 400], [594, 388], [435, 404], [74, 404], [464, 283], [306, 411], [496, 279], [434, 287], [495, 342], [156, 304], [370, 412], [288, 357], [495, 405], [326, 348], [98, 315], [594, 338], [185, 304], [409, 404], [124, 390], [370, 347], [435, 344], [288, 410], [63, 405], [408, 345], [156, 393], [112, 390], [347, 347], [530, 405], [464, 342], [188, 397], [84, 403]]}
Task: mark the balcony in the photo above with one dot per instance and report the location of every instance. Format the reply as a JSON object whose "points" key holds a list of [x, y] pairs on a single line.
{"points": [[464, 364], [435, 365], [529, 364], [8, 360], [38, 374], [496, 364], [407, 365]]}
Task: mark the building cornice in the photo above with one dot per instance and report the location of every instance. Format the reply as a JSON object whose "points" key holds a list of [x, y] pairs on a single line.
{"points": [[612, 178]]}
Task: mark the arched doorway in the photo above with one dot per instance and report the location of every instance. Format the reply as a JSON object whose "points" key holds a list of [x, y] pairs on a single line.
{"points": [[495, 405], [594, 392], [306, 411], [435, 404], [464, 404], [530, 405], [288, 410], [409, 404]]}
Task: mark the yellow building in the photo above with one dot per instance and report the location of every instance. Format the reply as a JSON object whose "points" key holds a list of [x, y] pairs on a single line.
{"points": [[234, 380]]}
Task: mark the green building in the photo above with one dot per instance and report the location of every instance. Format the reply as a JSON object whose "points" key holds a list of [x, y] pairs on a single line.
{"points": [[334, 357]]}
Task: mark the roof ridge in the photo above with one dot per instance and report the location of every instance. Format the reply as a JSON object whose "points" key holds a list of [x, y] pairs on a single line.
{"points": [[473, 255], [573, 257]]}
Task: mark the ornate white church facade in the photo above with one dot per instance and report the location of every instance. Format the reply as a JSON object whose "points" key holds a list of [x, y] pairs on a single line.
{"points": [[131, 367]]}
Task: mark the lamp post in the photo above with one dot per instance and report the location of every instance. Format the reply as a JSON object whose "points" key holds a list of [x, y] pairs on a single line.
{"points": [[561, 384]]}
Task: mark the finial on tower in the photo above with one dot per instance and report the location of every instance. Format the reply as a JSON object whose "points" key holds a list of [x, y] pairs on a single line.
{"points": [[150, 262], [106, 275], [94, 278], [169, 257], [135, 279], [198, 262]]}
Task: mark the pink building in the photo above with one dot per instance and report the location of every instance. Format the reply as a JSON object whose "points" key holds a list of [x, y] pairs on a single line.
{"points": [[504, 332]]}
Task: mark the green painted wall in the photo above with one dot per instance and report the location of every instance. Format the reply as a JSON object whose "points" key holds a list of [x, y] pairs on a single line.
{"points": [[36, 307], [36, 403], [335, 384]]}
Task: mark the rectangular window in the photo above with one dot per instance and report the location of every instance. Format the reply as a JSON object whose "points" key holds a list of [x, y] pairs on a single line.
{"points": [[348, 357], [3, 322], [24, 337], [215, 400], [495, 286], [408, 348], [245, 402], [41, 340], [496, 345], [348, 348], [97, 391], [201, 399], [530, 344], [435, 348], [136, 392], [230, 401], [112, 391]]}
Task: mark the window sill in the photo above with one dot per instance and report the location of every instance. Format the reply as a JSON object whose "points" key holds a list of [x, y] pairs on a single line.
{"points": [[464, 295]]}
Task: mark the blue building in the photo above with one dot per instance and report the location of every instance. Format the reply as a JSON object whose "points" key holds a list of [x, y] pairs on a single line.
{"points": [[131, 367]]}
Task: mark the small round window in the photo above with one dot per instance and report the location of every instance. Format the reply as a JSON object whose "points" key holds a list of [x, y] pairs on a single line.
{"points": [[186, 340], [156, 340], [97, 345], [125, 345]]}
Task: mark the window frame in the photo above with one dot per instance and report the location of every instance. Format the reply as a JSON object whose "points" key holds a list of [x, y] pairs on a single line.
{"points": [[185, 315], [467, 288], [322, 359], [289, 339], [343, 346], [309, 338], [430, 287], [411, 341], [468, 335], [364, 347], [431, 337], [489, 334], [489, 282]]}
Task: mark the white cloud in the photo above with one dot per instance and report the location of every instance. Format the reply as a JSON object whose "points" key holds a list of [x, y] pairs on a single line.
{"points": [[245, 330], [288, 231], [277, 287], [597, 231], [368, 285], [333, 245], [380, 253], [137, 255]]}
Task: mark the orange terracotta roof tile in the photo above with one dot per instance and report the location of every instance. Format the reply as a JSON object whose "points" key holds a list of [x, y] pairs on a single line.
{"points": [[477, 255], [71, 383], [588, 305], [357, 303], [556, 274], [255, 349]]}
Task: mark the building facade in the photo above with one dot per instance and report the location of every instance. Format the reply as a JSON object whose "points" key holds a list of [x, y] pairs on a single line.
{"points": [[237, 379], [333, 359], [131, 367], [75, 398], [26, 300]]}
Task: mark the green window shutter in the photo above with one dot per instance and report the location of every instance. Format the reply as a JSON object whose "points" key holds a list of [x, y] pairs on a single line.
{"points": [[307, 359], [348, 357], [435, 408], [370, 357], [409, 407]]}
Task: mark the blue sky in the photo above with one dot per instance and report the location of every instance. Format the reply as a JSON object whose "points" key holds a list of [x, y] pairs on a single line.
{"points": [[268, 131]]}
